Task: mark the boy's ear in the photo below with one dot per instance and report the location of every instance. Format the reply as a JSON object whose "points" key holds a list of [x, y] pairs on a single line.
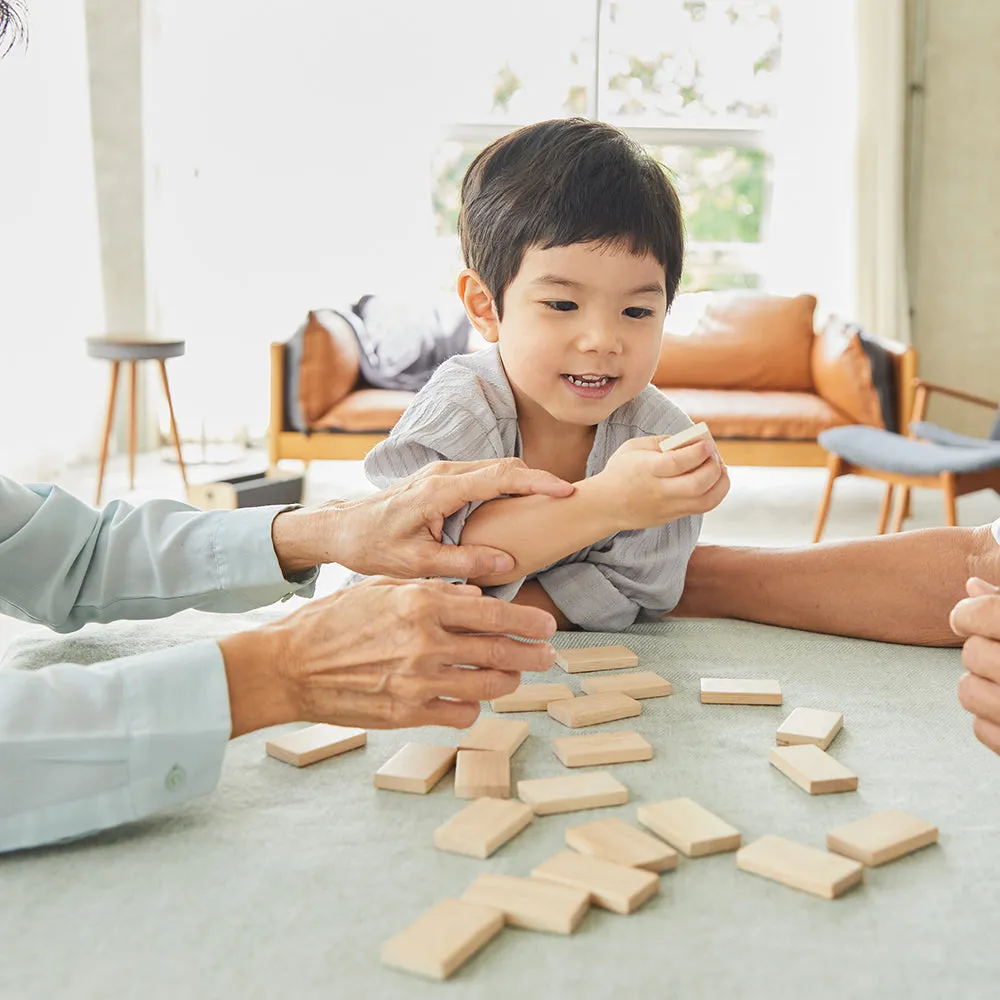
{"points": [[479, 305]]}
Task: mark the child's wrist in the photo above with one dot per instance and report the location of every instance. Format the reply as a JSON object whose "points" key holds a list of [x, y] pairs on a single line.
{"points": [[601, 503]]}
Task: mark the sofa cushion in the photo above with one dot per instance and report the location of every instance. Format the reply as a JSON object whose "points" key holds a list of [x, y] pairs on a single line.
{"points": [[744, 341], [743, 413], [366, 410], [842, 373], [322, 362]]}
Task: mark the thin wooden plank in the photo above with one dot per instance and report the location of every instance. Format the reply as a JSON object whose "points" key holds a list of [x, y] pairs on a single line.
{"points": [[314, 743], [735, 691], [483, 827], [572, 792], [800, 866], [641, 684], [689, 827], [531, 903], [495, 734], [482, 773], [415, 768], [813, 770], [614, 887], [594, 709], [686, 436], [612, 839], [587, 658], [809, 725], [601, 748], [531, 698], [882, 837]]}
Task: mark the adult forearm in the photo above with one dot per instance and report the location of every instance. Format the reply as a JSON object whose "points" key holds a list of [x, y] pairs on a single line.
{"points": [[894, 588]]}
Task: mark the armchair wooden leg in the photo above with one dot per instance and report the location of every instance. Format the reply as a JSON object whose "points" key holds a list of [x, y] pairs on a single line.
{"points": [[132, 424], [902, 508], [883, 518], [173, 423], [948, 488], [835, 465], [112, 394]]}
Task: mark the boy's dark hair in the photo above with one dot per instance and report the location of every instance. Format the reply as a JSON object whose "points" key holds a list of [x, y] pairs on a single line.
{"points": [[562, 182], [11, 24]]}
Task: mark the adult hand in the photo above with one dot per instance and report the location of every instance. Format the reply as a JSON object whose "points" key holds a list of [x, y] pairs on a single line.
{"points": [[978, 617], [383, 655], [650, 487], [398, 532]]}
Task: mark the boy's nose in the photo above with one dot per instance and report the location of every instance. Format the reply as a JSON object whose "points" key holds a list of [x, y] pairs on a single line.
{"points": [[600, 337]]}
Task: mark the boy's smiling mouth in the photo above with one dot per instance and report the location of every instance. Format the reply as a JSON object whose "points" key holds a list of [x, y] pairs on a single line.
{"points": [[590, 386]]}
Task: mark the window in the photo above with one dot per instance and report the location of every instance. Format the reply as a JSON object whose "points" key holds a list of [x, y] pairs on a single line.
{"points": [[693, 80]]}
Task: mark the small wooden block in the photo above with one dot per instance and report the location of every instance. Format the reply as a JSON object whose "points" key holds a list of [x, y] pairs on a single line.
{"points": [[547, 796], [593, 709], [306, 746], [809, 725], [531, 903], [482, 827], [482, 773], [495, 734], [601, 748], [531, 698], [726, 691], [615, 887], [613, 840], [881, 837], [689, 827], [578, 661], [813, 770], [800, 866], [444, 937], [684, 437], [644, 684], [416, 768]]}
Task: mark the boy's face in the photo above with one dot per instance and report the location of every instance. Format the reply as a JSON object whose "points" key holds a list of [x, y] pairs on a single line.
{"points": [[581, 328]]}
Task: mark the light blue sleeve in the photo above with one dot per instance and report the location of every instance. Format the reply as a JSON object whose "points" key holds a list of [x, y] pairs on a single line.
{"points": [[63, 563]]}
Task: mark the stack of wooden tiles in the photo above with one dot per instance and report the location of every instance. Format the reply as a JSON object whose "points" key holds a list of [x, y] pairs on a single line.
{"points": [[482, 767]]}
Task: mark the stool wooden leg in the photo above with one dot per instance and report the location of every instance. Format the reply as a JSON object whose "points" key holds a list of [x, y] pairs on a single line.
{"points": [[132, 425], [173, 423], [835, 464], [948, 487], [107, 431], [902, 508], [883, 518]]}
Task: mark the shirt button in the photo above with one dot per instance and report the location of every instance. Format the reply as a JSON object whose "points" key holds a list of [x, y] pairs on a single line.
{"points": [[176, 777]]}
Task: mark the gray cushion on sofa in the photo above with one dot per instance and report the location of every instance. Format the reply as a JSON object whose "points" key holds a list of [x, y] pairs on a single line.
{"points": [[878, 449]]}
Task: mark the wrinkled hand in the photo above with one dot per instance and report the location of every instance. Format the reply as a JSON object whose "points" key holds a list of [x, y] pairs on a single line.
{"points": [[978, 617], [383, 655], [398, 532], [650, 487]]}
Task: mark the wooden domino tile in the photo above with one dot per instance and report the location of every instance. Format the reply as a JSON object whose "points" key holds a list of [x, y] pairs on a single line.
{"points": [[800, 866], [729, 691], [686, 436], [615, 887], [593, 709], [809, 725], [306, 746], [444, 937], [480, 773], [482, 827], [614, 840], [881, 837], [531, 903], [495, 734], [531, 698], [813, 770], [601, 748], [572, 792], [578, 661], [416, 768], [689, 827], [642, 684]]}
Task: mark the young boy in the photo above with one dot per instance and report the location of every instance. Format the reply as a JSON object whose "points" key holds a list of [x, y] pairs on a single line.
{"points": [[573, 241]]}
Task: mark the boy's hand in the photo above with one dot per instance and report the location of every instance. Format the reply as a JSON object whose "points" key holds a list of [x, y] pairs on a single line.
{"points": [[647, 487]]}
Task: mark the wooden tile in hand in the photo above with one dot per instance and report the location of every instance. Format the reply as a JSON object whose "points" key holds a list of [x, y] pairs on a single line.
{"points": [[314, 743], [641, 684], [689, 827], [809, 725], [612, 839], [531, 698], [615, 887], [480, 773], [531, 903], [594, 709], [578, 661], [416, 768], [800, 866], [881, 837], [728, 691], [444, 937], [813, 770], [685, 437], [482, 827], [572, 792], [601, 748], [495, 734]]}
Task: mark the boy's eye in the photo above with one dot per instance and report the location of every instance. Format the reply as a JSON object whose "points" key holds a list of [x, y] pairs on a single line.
{"points": [[561, 305], [638, 312]]}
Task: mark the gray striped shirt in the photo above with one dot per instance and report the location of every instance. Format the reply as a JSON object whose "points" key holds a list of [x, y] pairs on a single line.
{"points": [[467, 412]]}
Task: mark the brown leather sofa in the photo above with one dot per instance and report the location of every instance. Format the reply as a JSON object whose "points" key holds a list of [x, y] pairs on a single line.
{"points": [[752, 366]]}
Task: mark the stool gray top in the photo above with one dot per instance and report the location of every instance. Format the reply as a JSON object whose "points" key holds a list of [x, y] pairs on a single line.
{"points": [[133, 349]]}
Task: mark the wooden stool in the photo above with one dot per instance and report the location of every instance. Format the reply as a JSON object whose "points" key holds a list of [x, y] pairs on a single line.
{"points": [[128, 349]]}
